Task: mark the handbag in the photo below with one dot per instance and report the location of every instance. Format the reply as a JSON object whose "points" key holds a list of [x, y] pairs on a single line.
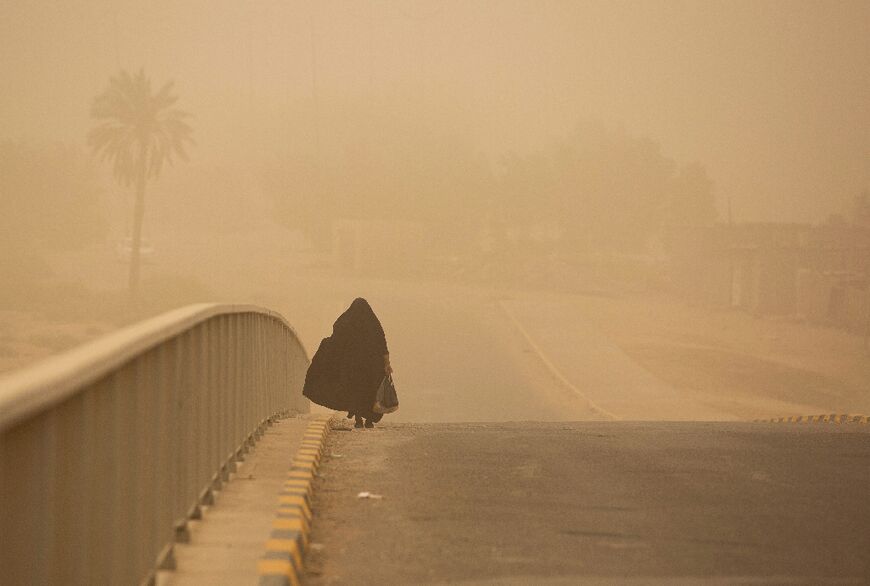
{"points": [[386, 400]]}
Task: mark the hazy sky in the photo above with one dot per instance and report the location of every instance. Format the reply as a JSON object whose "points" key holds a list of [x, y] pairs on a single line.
{"points": [[773, 97]]}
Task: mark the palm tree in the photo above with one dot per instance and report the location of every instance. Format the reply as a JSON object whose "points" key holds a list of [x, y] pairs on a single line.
{"points": [[138, 131]]}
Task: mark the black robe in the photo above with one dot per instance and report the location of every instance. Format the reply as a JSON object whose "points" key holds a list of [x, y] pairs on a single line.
{"points": [[348, 367]]}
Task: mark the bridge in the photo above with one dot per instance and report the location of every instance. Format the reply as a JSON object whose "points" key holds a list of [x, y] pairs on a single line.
{"points": [[180, 451]]}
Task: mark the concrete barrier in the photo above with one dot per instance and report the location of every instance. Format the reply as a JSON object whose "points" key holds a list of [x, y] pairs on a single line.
{"points": [[283, 561], [108, 450], [845, 418]]}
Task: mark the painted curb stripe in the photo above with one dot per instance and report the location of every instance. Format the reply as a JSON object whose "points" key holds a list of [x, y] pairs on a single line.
{"points": [[296, 483], [277, 573], [295, 516], [275, 580], [287, 545], [282, 562], [296, 502], [286, 548], [295, 491], [303, 466], [838, 419]]}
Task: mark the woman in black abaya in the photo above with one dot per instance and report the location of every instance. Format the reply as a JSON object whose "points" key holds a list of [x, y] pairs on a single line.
{"points": [[348, 367]]}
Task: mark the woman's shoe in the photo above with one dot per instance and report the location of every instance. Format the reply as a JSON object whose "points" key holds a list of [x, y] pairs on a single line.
{"points": [[358, 423], [369, 424]]}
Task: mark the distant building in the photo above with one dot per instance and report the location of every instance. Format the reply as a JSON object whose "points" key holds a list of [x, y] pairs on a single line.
{"points": [[819, 272]]}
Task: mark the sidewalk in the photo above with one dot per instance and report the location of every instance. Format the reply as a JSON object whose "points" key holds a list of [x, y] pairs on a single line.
{"points": [[225, 546]]}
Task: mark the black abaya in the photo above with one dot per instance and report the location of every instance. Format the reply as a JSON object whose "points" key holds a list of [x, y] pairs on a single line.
{"points": [[348, 366]]}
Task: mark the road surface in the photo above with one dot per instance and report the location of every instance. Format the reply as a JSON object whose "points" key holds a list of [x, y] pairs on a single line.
{"points": [[594, 503]]}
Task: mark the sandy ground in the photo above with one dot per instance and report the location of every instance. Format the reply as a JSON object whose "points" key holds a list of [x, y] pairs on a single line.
{"points": [[26, 338], [747, 366]]}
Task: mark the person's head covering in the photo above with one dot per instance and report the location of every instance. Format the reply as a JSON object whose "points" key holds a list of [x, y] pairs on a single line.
{"points": [[360, 304], [355, 317]]}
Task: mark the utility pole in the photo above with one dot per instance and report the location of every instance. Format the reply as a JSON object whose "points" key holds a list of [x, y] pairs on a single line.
{"points": [[314, 96], [325, 209], [371, 46], [730, 255], [114, 13]]}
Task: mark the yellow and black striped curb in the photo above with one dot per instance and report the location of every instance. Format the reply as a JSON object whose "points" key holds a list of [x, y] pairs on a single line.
{"points": [[282, 564], [827, 418]]}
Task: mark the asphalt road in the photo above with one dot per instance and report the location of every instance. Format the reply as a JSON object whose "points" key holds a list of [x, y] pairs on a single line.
{"points": [[459, 358], [594, 503]]}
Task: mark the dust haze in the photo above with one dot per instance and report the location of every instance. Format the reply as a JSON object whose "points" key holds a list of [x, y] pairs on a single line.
{"points": [[559, 210]]}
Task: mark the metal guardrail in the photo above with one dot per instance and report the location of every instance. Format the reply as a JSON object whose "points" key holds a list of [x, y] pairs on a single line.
{"points": [[108, 450]]}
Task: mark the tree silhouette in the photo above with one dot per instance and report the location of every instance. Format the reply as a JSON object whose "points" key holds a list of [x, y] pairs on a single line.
{"points": [[138, 132]]}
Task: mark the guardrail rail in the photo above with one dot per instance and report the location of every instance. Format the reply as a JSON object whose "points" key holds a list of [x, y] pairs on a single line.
{"points": [[108, 450]]}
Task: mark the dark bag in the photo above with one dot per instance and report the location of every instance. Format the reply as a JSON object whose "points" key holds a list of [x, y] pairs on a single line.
{"points": [[386, 401]]}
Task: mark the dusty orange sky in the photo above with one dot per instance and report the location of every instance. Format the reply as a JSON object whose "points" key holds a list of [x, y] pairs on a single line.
{"points": [[771, 96]]}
